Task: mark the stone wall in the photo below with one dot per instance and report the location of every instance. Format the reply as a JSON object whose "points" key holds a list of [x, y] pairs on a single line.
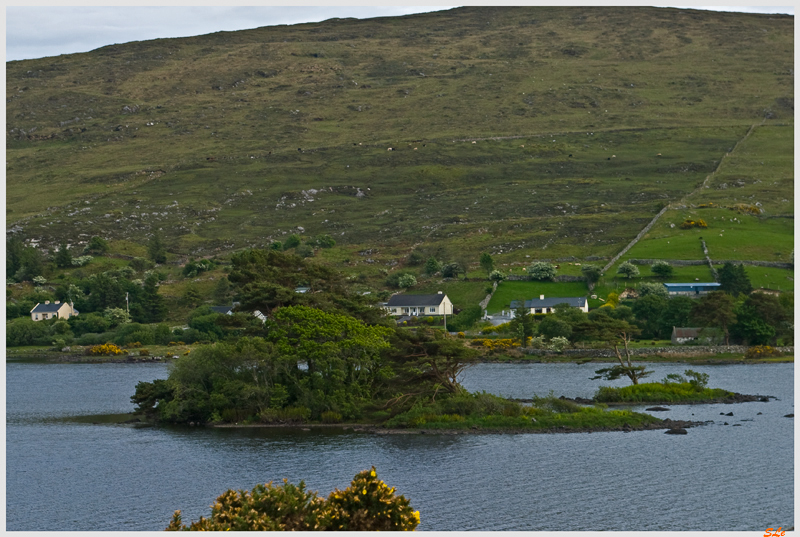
{"points": [[565, 278], [648, 351], [689, 262]]}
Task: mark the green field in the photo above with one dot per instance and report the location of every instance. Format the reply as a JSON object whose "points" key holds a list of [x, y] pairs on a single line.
{"points": [[521, 290]]}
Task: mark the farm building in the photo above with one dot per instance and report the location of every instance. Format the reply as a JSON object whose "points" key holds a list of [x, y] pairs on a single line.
{"points": [[690, 289]]}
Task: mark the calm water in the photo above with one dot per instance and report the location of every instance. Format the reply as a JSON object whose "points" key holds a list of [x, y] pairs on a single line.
{"points": [[70, 476]]}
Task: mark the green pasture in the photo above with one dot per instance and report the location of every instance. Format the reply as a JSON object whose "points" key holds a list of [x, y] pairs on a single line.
{"points": [[462, 294], [730, 235], [526, 290]]}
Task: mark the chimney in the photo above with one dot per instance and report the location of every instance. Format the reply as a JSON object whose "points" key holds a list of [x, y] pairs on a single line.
{"points": [[57, 302], [440, 292], [541, 297], [46, 301]]}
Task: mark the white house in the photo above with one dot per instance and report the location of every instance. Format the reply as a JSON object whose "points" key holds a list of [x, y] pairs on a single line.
{"points": [[62, 310], [419, 305], [688, 335], [548, 305]]}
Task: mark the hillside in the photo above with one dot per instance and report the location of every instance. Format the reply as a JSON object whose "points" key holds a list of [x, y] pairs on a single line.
{"points": [[521, 131]]}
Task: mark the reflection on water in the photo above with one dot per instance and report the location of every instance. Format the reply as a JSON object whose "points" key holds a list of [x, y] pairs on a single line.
{"points": [[718, 477]]}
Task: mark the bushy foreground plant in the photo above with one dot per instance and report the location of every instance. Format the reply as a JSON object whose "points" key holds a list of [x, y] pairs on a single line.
{"points": [[368, 504]]}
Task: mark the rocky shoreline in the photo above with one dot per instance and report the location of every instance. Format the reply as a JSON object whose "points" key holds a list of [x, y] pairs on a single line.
{"points": [[735, 398], [667, 424]]}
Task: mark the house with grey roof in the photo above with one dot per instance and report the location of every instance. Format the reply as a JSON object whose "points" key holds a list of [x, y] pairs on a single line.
{"points": [[57, 309], [548, 305], [419, 305], [707, 336]]}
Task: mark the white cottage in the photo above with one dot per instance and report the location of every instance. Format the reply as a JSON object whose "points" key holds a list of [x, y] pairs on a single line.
{"points": [[419, 305]]}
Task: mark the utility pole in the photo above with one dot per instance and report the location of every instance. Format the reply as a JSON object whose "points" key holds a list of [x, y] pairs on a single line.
{"points": [[126, 303]]}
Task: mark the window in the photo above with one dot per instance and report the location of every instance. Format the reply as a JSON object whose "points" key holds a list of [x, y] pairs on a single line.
{"points": [[36, 316], [538, 310], [432, 309], [394, 310]]}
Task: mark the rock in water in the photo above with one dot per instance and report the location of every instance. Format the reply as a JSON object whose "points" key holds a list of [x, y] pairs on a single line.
{"points": [[677, 430]]}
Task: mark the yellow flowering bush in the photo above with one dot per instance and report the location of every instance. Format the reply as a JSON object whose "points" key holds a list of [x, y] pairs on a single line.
{"points": [[761, 351], [105, 349], [688, 224], [744, 208], [368, 504]]}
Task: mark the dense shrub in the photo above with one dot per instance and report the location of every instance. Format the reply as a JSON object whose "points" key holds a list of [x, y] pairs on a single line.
{"points": [[286, 415], [688, 223], [24, 331], [656, 392], [541, 270], [628, 269], [104, 349], [662, 269], [650, 288], [368, 504], [761, 351]]}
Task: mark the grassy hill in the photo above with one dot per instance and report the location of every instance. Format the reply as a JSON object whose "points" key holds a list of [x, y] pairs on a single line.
{"points": [[526, 132]]}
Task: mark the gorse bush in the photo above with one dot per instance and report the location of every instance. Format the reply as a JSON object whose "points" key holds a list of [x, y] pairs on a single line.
{"points": [[368, 504], [688, 224], [761, 351], [105, 349]]}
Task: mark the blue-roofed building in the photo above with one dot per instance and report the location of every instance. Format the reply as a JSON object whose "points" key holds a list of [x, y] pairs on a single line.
{"points": [[690, 289], [547, 305]]}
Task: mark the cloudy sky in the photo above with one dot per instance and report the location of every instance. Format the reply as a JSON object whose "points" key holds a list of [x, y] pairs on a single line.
{"points": [[39, 31]]}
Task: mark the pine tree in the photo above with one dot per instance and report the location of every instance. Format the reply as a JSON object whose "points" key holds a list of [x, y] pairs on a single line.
{"points": [[151, 307], [487, 263], [734, 280], [63, 258], [156, 250]]}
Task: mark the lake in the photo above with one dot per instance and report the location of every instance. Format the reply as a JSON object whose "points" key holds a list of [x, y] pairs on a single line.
{"points": [[63, 475]]}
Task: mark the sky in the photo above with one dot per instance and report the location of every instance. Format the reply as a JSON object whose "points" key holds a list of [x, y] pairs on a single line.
{"points": [[40, 31]]}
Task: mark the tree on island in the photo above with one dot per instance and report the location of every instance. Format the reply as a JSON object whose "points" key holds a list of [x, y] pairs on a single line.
{"points": [[603, 325], [428, 357]]}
